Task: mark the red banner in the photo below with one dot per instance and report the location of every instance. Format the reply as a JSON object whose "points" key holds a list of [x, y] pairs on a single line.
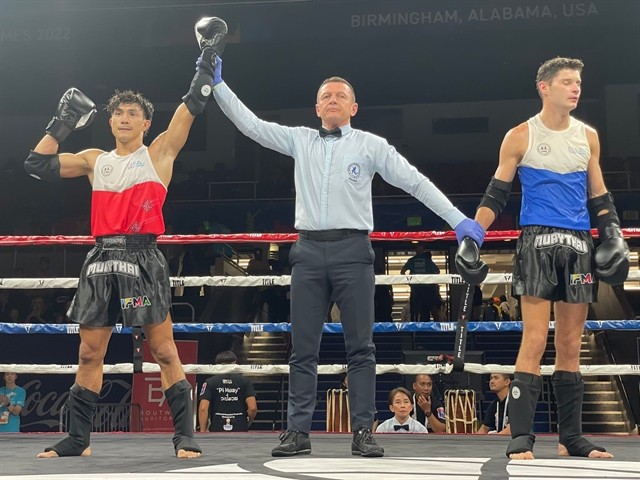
{"points": [[155, 414]]}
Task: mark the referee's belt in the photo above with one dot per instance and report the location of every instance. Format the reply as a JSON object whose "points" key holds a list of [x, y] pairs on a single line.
{"points": [[330, 235], [126, 242]]}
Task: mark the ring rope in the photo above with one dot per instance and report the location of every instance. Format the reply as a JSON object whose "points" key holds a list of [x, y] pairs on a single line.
{"points": [[284, 327], [332, 369], [271, 280], [492, 235]]}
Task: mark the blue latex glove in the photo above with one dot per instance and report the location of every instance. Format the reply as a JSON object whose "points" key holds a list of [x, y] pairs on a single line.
{"points": [[217, 69], [217, 72], [470, 228]]}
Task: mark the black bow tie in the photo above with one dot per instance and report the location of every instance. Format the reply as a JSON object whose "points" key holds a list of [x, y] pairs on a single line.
{"points": [[336, 132], [401, 427]]}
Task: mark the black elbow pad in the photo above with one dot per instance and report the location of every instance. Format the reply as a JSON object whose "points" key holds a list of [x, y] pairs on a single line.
{"points": [[42, 166], [496, 195], [600, 204]]}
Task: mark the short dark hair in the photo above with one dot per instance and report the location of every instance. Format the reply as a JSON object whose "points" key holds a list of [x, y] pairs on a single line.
{"points": [[415, 377], [395, 391], [551, 67], [129, 96], [338, 80], [226, 357]]}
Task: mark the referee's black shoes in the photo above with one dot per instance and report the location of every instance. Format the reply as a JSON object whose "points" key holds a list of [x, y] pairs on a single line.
{"points": [[292, 442], [364, 444]]}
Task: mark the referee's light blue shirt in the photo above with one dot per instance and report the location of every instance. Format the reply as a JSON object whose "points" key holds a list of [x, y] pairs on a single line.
{"points": [[333, 175]]}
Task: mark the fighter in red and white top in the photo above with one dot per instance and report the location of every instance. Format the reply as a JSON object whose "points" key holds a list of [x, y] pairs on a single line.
{"points": [[125, 277]]}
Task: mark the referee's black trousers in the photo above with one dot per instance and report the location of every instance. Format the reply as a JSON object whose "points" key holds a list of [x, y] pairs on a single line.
{"points": [[339, 269]]}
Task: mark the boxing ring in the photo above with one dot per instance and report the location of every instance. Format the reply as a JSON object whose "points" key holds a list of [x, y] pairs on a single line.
{"points": [[246, 456]]}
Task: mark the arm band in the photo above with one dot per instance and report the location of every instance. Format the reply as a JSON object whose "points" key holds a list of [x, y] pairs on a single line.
{"points": [[597, 205], [43, 166], [496, 195], [603, 202]]}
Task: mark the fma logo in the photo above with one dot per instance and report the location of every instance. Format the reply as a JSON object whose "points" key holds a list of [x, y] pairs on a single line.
{"points": [[135, 302], [581, 279]]}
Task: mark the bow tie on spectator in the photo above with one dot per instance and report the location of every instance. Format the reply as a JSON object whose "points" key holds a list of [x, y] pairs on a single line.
{"points": [[336, 132], [401, 427]]}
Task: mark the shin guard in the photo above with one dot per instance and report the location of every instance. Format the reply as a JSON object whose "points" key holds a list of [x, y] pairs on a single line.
{"points": [[179, 398], [523, 399], [569, 391], [82, 405]]}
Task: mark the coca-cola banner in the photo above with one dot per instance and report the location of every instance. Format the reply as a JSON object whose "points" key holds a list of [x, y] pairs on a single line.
{"points": [[155, 415], [48, 393]]}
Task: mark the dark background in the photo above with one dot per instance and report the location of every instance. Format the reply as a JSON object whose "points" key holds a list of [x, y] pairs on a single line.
{"points": [[448, 52]]}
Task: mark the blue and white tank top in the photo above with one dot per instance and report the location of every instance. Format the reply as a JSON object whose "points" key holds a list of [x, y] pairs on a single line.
{"points": [[553, 174]]}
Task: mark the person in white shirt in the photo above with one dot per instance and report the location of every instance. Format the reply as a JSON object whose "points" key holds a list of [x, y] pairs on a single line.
{"points": [[400, 404]]}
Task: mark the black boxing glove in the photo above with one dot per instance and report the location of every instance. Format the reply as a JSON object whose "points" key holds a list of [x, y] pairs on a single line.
{"points": [[612, 255], [75, 111], [211, 34], [470, 267]]}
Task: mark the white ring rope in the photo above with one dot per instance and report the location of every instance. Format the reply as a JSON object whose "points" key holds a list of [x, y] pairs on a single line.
{"points": [[263, 370], [269, 281], [284, 280]]}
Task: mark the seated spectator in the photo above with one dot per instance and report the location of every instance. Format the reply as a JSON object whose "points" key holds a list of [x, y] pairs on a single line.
{"points": [[12, 398], [490, 311], [44, 268], [227, 401], [5, 305], [496, 419], [428, 409], [38, 312], [401, 405], [505, 309], [14, 316]]}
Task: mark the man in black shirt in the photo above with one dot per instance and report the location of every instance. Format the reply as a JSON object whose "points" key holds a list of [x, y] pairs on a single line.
{"points": [[227, 401], [496, 419], [428, 409]]}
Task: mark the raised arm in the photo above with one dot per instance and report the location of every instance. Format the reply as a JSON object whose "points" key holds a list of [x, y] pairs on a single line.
{"points": [[211, 34], [75, 111]]}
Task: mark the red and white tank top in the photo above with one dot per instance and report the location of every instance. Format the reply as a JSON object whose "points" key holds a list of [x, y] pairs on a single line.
{"points": [[127, 195]]}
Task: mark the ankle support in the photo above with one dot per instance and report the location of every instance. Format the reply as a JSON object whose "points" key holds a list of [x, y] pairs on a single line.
{"points": [[82, 405], [179, 398], [523, 399], [569, 391]]}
